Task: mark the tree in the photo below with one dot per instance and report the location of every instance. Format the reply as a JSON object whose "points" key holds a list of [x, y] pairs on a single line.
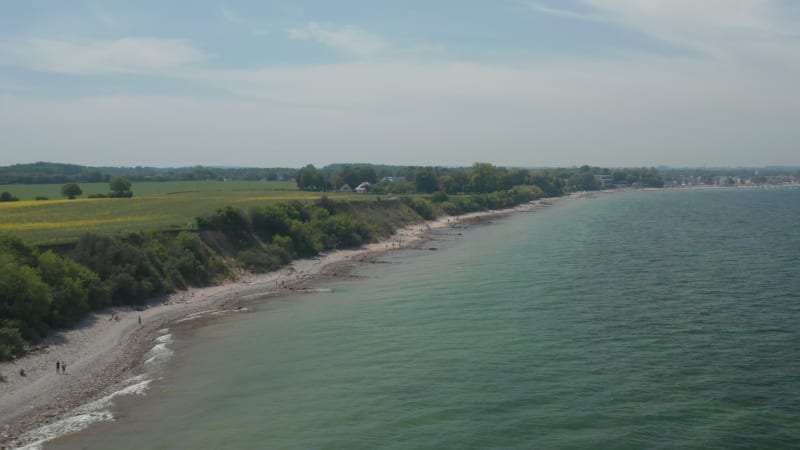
{"points": [[548, 182], [455, 181], [120, 187], [367, 174], [310, 179], [24, 298], [71, 190], [514, 177], [69, 284], [7, 197], [425, 180], [582, 181], [350, 176], [484, 178]]}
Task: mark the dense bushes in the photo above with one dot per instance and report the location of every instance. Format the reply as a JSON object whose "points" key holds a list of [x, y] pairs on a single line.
{"points": [[42, 291], [139, 266], [284, 231], [441, 203], [421, 206], [38, 292]]}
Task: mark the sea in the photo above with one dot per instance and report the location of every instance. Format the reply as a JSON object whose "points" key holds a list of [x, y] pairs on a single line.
{"points": [[646, 319]]}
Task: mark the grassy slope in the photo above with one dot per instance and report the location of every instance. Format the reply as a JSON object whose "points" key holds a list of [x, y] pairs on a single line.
{"points": [[154, 206]]}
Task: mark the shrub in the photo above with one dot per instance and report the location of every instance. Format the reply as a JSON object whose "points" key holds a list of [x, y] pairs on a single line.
{"points": [[421, 206], [439, 197], [11, 343], [6, 196]]}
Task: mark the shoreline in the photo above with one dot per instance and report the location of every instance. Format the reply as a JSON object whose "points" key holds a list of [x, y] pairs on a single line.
{"points": [[110, 346]]}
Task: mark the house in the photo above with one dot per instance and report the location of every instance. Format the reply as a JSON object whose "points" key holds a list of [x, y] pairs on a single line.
{"points": [[346, 188], [364, 188], [604, 181]]}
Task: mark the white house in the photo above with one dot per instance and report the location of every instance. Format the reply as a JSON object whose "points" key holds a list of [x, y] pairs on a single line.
{"points": [[364, 188]]}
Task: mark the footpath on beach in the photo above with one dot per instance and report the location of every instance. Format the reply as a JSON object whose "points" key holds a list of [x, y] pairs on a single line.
{"points": [[110, 345]]}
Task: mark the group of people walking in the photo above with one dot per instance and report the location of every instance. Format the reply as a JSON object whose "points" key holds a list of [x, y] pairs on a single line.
{"points": [[61, 367]]}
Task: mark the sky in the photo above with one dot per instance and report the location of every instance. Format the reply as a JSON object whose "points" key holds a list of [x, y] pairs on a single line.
{"points": [[611, 83]]}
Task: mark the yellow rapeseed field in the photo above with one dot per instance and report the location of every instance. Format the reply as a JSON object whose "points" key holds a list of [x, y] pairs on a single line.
{"points": [[61, 220]]}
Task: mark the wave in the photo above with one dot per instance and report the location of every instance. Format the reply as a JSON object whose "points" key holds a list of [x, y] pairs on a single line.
{"points": [[99, 410], [160, 352], [83, 416]]}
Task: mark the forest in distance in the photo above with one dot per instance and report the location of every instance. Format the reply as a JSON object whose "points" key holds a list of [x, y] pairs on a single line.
{"points": [[50, 172]]}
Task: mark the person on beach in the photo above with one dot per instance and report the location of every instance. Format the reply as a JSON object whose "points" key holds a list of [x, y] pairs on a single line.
{"points": [[58, 366], [63, 367], [140, 320]]}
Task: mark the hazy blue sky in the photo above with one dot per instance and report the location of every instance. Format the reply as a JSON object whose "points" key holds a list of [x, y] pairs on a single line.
{"points": [[286, 83]]}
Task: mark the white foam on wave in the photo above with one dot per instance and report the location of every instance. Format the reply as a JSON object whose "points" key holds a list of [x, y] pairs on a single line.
{"points": [[165, 339], [201, 313], [186, 319], [65, 426], [96, 411], [135, 379], [159, 353], [105, 402]]}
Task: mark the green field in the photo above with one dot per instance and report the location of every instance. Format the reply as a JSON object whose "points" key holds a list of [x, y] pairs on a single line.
{"points": [[155, 205], [141, 189]]}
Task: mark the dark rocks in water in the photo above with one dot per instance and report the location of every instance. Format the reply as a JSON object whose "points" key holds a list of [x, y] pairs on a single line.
{"points": [[432, 248]]}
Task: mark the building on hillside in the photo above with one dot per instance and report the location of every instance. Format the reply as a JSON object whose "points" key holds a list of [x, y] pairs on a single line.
{"points": [[364, 188], [394, 179], [604, 181], [346, 188]]}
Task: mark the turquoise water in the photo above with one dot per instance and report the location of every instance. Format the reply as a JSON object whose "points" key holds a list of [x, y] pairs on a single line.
{"points": [[663, 319]]}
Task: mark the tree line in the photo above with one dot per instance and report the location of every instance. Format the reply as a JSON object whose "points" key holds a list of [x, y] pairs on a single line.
{"points": [[480, 178], [119, 187], [58, 173]]}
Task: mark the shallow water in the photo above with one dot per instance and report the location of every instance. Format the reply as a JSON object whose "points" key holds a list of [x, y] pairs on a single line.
{"points": [[660, 319]]}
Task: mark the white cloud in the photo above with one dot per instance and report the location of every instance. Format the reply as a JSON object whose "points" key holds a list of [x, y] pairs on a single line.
{"points": [[348, 39], [636, 112], [565, 13], [88, 56], [707, 14], [742, 31]]}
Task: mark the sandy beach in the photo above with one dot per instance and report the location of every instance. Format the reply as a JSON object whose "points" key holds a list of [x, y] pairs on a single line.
{"points": [[110, 345]]}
